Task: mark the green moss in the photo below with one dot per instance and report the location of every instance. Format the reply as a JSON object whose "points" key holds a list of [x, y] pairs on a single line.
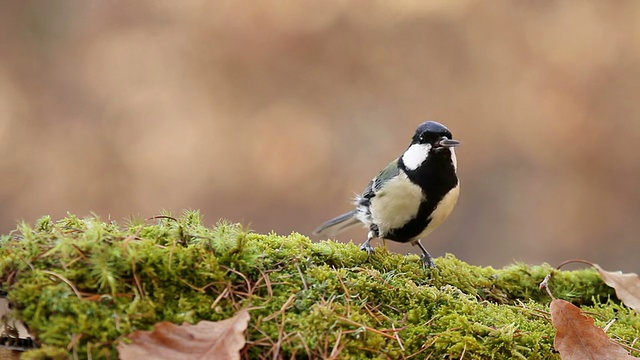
{"points": [[87, 283]]}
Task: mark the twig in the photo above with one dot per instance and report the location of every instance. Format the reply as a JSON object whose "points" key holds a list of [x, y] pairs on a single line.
{"points": [[545, 285], [136, 279], [606, 328], [162, 217], [304, 283], [336, 347], [281, 335], [222, 295], [73, 345], [241, 275], [398, 337], [73, 287], [626, 347], [304, 343], [464, 350], [573, 261], [267, 283], [379, 332], [284, 307]]}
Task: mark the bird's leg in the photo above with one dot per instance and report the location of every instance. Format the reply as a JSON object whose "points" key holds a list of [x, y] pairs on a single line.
{"points": [[366, 246], [426, 257]]}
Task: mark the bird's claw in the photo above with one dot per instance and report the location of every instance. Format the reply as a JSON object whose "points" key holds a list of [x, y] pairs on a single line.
{"points": [[428, 261], [426, 257], [368, 248]]}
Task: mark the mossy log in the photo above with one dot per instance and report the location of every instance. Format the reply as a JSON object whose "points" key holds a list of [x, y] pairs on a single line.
{"points": [[82, 284]]}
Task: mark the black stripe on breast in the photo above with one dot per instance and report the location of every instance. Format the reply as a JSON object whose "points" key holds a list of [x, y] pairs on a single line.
{"points": [[436, 176]]}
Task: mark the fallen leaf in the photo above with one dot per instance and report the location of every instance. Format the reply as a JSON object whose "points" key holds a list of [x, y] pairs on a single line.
{"points": [[627, 286], [205, 340], [579, 338], [6, 354], [13, 333]]}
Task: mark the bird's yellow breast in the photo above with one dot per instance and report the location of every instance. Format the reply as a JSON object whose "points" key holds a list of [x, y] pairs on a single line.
{"points": [[396, 203], [442, 211]]}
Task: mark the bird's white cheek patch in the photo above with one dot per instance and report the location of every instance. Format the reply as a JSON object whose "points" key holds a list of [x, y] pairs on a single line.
{"points": [[415, 155]]}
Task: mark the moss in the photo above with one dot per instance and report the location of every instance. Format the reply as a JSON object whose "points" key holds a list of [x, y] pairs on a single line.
{"points": [[81, 284]]}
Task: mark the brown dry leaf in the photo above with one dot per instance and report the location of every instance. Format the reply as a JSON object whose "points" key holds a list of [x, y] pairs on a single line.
{"points": [[627, 286], [205, 340], [13, 332], [579, 338]]}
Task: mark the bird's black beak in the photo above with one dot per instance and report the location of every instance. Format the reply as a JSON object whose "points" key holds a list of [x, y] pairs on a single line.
{"points": [[445, 142]]}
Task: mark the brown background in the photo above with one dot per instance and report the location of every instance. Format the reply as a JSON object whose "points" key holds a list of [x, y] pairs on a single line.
{"points": [[274, 115]]}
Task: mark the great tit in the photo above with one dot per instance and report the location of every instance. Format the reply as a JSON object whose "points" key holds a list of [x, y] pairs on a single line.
{"points": [[411, 197]]}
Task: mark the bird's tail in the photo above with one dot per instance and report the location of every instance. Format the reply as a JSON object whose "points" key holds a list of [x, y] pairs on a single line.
{"points": [[334, 226]]}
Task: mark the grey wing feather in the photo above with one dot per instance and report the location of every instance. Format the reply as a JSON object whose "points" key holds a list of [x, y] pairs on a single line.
{"points": [[387, 174], [377, 183], [336, 225]]}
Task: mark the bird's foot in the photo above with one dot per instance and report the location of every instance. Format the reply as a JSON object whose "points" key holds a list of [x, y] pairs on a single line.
{"points": [[366, 246], [428, 261], [426, 257]]}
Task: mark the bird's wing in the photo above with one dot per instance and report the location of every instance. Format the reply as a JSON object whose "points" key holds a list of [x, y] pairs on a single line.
{"points": [[334, 226], [378, 182]]}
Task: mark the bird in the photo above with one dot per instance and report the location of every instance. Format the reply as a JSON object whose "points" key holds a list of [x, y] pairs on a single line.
{"points": [[411, 197]]}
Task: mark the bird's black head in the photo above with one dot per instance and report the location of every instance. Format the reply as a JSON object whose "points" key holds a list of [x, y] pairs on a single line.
{"points": [[432, 140], [434, 134]]}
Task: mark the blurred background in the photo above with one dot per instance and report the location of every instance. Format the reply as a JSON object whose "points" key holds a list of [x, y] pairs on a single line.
{"points": [[276, 115]]}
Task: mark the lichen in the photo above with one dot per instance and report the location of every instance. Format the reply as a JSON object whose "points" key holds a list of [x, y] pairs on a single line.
{"points": [[82, 284]]}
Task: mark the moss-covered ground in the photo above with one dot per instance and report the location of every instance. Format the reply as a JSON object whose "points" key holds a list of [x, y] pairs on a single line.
{"points": [[82, 284]]}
